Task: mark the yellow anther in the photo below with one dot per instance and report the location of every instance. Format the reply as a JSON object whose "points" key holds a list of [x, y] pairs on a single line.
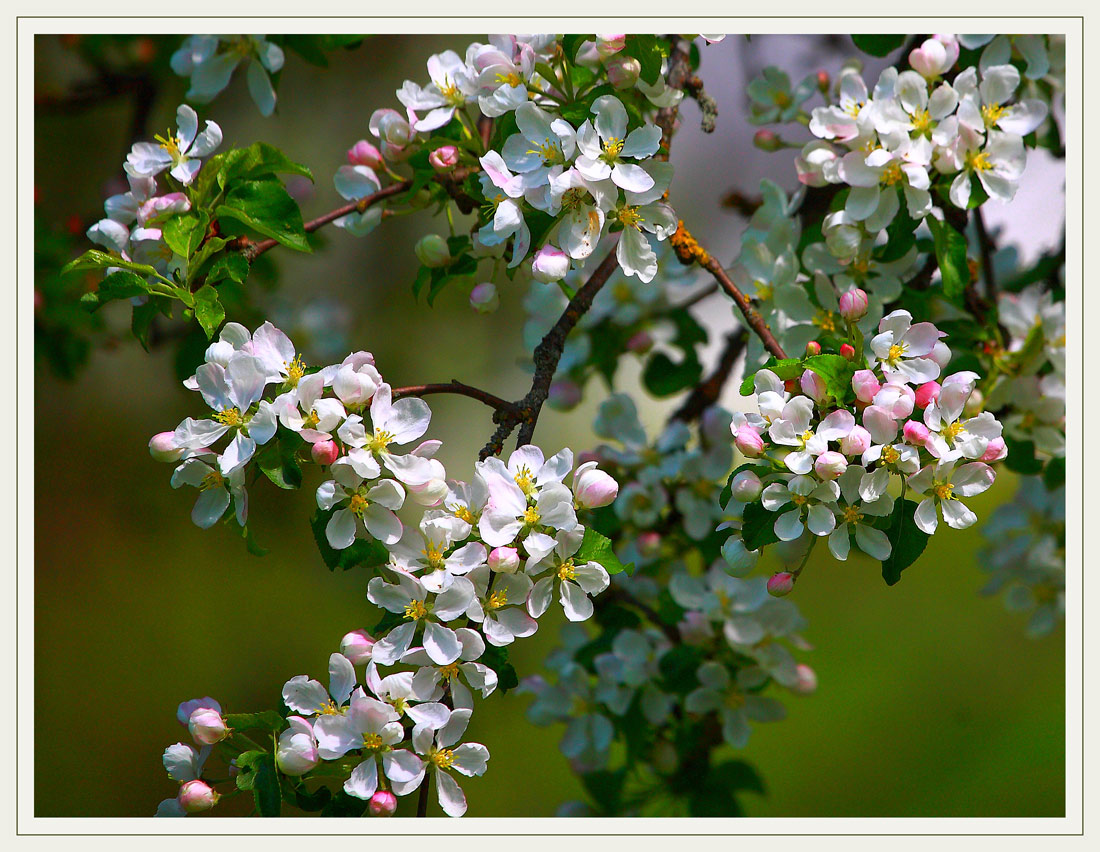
{"points": [[443, 758], [433, 555], [892, 174], [380, 441], [567, 570], [613, 147], [525, 480], [358, 504], [630, 217], [415, 610], [373, 742], [799, 500], [497, 599], [294, 371], [463, 513], [825, 320], [511, 79], [531, 516], [950, 433], [230, 417], [549, 151], [212, 480], [979, 161], [895, 353], [171, 144], [991, 114], [807, 435], [735, 700], [943, 490], [852, 515], [922, 122], [329, 708], [311, 420], [448, 672], [890, 455]]}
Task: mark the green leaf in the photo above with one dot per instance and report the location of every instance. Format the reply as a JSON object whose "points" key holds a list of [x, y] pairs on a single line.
{"points": [[1054, 474], [366, 552], [279, 461], [184, 234], [96, 259], [266, 207], [208, 309], [758, 526], [785, 369], [906, 539], [899, 235], [878, 44], [1021, 457], [650, 52], [605, 786], [255, 161], [678, 667], [663, 376], [250, 543], [267, 720], [141, 320], [597, 548], [257, 773], [117, 285], [950, 248], [231, 266], [496, 658], [837, 371]]}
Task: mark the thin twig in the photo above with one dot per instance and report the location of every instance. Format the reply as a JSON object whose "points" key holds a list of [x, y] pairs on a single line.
{"points": [[456, 387], [985, 247]]}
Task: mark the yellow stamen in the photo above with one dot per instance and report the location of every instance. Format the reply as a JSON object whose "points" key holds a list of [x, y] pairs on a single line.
{"points": [[443, 758], [212, 480], [825, 320], [448, 672], [497, 599], [852, 515], [230, 417], [294, 371], [890, 455], [380, 441], [372, 742], [415, 610], [525, 480], [630, 217], [991, 114], [612, 148], [950, 433], [799, 500], [892, 174], [979, 161], [463, 513], [433, 555], [922, 122], [943, 491], [329, 708], [358, 504], [895, 353], [531, 516], [567, 570]]}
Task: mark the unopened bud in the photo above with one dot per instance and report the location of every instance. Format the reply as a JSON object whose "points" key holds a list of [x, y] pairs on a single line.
{"points": [[856, 442], [484, 298], [623, 71], [325, 452], [504, 560], [813, 385], [847, 351], [974, 403], [865, 385], [444, 159], [853, 304], [357, 646], [996, 450], [363, 153], [550, 264], [813, 348], [807, 680], [640, 343], [197, 796], [207, 726], [564, 395], [766, 140], [607, 45], [746, 486], [593, 487], [649, 544], [830, 465], [926, 394], [823, 82], [781, 584], [383, 804], [748, 442], [431, 250], [162, 447], [915, 432]]}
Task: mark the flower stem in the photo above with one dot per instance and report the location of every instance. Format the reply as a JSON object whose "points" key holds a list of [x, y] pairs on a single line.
{"points": [[422, 798]]}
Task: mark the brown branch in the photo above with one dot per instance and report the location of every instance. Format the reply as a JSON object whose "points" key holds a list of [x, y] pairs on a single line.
{"points": [[706, 393], [525, 412], [688, 250], [456, 387], [251, 250], [679, 68], [985, 246]]}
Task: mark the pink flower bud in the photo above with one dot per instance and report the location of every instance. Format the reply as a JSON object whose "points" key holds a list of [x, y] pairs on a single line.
{"points": [[162, 447], [996, 450], [357, 646], [432, 251], [856, 442], [593, 487], [504, 560], [830, 465], [623, 71], [926, 394], [325, 452], [383, 804], [853, 304], [766, 140], [640, 343], [197, 796], [813, 348], [813, 385], [550, 264], [915, 432], [790, 385], [897, 399], [564, 394], [781, 584], [649, 544], [748, 442], [974, 403], [823, 82], [847, 351], [207, 726], [746, 486], [444, 159], [484, 298], [865, 385], [807, 680], [608, 45], [363, 153]]}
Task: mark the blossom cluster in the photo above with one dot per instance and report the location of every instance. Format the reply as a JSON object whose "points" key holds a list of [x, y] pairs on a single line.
{"points": [[591, 173]]}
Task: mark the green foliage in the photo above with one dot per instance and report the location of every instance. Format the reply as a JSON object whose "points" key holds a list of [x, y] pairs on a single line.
{"points": [[1021, 457], [785, 369], [208, 309], [837, 371], [663, 376], [678, 667], [950, 248], [906, 539], [268, 721], [496, 658], [117, 285], [368, 552], [650, 51], [266, 207], [279, 460], [879, 44], [463, 266], [231, 266], [257, 773], [597, 548], [758, 526], [184, 233]]}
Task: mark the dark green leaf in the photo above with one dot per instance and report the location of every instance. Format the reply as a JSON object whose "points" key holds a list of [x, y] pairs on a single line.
{"points": [[788, 368], [678, 667], [184, 234], [663, 376], [266, 207], [878, 44], [605, 786], [96, 259], [758, 526], [906, 540], [650, 52], [268, 720], [231, 266], [950, 247], [366, 552], [117, 285], [496, 658], [1021, 457], [837, 371], [208, 309], [257, 160], [1054, 474], [279, 462]]}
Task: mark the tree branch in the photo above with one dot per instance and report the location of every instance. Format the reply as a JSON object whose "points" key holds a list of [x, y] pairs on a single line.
{"points": [[456, 387], [706, 393], [985, 247]]}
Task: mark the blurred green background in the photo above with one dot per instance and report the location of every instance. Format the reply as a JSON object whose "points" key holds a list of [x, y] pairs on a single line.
{"points": [[931, 702]]}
